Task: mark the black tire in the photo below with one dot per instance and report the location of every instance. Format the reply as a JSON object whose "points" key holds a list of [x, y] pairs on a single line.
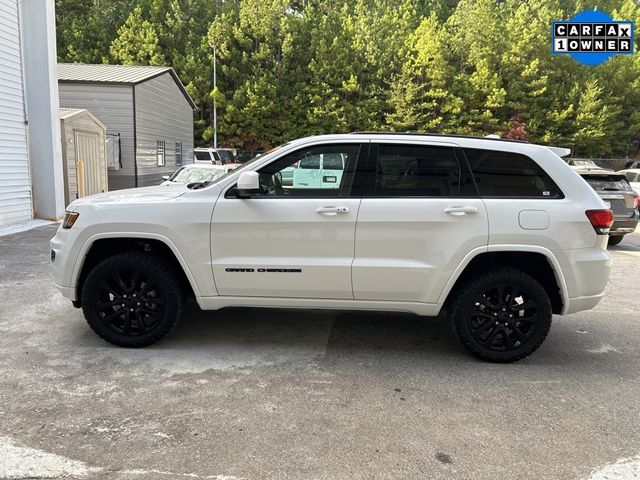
{"points": [[502, 315], [615, 239], [132, 299]]}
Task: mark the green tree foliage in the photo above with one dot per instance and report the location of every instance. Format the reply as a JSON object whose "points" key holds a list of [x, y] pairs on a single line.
{"points": [[137, 42], [288, 68]]}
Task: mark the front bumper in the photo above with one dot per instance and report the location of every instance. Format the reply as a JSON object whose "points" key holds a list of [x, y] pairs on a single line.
{"points": [[579, 304]]}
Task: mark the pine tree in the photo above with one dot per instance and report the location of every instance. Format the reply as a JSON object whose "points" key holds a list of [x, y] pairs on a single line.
{"points": [[421, 95], [137, 42]]}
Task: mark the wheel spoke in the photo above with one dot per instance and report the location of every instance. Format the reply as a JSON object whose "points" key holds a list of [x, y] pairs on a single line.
{"points": [[154, 300], [110, 316], [149, 311], [135, 280], [110, 290], [141, 325], [486, 325], [148, 287], [490, 337], [508, 343], [485, 301], [520, 335], [118, 278], [108, 304], [127, 322], [500, 295], [528, 319], [515, 293], [523, 306], [480, 313]]}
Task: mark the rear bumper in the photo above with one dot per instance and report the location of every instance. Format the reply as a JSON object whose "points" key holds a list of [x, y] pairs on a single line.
{"points": [[587, 273], [622, 227]]}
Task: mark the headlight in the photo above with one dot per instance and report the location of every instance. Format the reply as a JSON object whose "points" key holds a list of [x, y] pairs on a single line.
{"points": [[69, 219]]}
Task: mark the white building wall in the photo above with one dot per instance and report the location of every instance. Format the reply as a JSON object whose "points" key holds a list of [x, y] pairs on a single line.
{"points": [[41, 95], [15, 185]]}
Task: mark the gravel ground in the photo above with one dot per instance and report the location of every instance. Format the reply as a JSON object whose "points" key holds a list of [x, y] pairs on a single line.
{"points": [[290, 394]]}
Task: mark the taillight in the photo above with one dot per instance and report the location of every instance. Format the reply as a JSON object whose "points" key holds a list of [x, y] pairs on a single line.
{"points": [[601, 220], [637, 201]]}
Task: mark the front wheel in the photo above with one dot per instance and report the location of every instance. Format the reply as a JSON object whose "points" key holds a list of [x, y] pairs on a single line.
{"points": [[502, 315], [132, 299]]}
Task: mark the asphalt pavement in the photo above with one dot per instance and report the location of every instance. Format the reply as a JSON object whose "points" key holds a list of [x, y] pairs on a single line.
{"points": [[291, 394]]}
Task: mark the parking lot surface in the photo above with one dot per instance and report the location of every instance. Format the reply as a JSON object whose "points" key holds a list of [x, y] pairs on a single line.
{"points": [[291, 394]]}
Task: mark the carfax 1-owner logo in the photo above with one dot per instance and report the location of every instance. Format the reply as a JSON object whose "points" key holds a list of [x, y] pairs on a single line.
{"points": [[592, 37]]}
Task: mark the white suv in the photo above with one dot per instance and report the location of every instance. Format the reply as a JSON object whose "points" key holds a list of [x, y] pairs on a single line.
{"points": [[502, 234]]}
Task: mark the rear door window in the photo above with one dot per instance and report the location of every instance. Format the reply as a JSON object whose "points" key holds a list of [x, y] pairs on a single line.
{"points": [[509, 175], [416, 171]]}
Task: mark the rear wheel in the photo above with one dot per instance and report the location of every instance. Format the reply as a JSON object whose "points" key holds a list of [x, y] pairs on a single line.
{"points": [[502, 315], [132, 299], [615, 239]]}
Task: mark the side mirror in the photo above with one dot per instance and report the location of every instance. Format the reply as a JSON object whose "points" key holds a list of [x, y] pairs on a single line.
{"points": [[165, 177], [248, 184]]}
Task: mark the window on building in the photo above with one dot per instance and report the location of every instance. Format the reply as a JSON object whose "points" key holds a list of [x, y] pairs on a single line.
{"points": [[178, 153], [160, 153]]}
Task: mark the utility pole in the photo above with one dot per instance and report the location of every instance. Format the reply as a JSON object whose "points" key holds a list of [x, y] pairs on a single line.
{"points": [[215, 113]]}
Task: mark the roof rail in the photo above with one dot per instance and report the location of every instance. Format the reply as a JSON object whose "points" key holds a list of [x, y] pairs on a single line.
{"points": [[420, 134]]}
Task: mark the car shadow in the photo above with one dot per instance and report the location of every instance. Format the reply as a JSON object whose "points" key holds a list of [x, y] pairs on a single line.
{"points": [[290, 333], [238, 338]]}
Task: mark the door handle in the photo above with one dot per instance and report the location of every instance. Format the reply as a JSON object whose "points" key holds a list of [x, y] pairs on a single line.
{"points": [[460, 210], [332, 210]]}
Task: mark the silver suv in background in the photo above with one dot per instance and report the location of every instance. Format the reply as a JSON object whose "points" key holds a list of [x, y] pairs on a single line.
{"points": [[614, 188]]}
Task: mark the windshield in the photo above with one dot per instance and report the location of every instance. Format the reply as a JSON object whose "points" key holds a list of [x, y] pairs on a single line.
{"points": [[195, 174], [247, 165]]}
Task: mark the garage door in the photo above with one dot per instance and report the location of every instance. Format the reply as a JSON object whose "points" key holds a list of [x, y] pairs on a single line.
{"points": [[15, 190]]}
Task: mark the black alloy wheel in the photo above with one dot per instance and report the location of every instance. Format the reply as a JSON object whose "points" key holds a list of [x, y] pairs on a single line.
{"points": [[503, 318], [502, 315], [132, 299]]}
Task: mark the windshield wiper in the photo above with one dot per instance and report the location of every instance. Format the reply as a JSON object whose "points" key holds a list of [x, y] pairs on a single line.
{"points": [[198, 185]]}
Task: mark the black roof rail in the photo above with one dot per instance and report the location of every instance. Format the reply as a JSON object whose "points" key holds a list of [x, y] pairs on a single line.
{"points": [[420, 134]]}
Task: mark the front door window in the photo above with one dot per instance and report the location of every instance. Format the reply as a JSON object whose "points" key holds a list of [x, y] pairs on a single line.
{"points": [[324, 171]]}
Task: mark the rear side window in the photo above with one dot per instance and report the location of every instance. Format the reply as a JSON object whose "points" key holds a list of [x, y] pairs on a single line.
{"points": [[416, 171], [509, 175], [202, 155]]}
